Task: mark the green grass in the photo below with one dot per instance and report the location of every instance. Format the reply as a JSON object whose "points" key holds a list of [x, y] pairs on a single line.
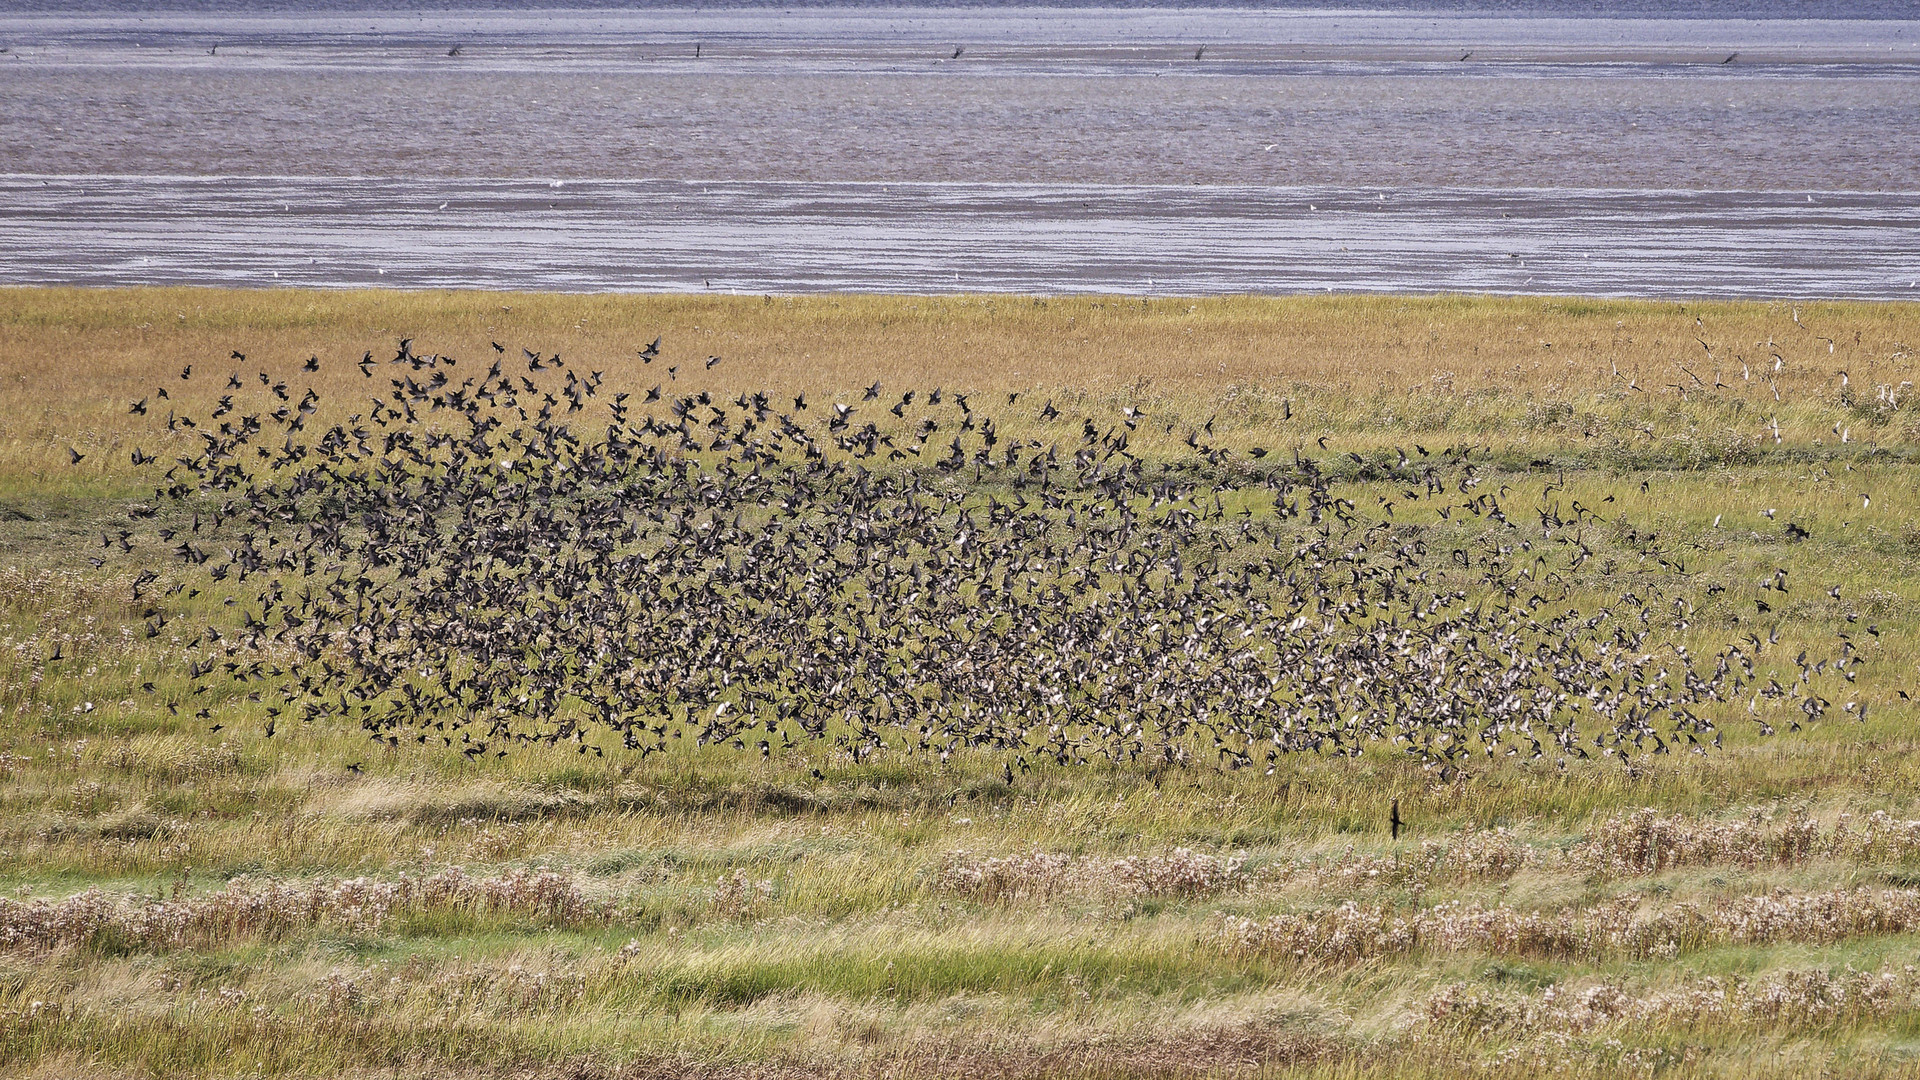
{"points": [[748, 914]]}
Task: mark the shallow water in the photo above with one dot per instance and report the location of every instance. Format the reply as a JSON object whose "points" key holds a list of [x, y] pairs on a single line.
{"points": [[803, 237], [847, 147], [1600, 9], [1570, 130], [1056, 40]]}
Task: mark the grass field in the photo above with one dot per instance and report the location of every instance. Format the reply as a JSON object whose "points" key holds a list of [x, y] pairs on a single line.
{"points": [[180, 901]]}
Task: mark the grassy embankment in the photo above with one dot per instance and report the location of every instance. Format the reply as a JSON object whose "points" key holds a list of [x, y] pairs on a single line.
{"points": [[720, 912]]}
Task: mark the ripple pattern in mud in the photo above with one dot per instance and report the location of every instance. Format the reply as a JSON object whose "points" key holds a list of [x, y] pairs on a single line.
{"points": [[668, 236]]}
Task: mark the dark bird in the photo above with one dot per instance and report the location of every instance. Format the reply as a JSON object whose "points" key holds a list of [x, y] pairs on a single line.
{"points": [[463, 566]]}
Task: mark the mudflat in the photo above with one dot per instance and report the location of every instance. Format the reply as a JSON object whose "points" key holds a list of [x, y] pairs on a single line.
{"points": [[1140, 150]]}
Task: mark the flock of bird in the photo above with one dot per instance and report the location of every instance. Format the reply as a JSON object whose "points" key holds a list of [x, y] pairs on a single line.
{"points": [[479, 559]]}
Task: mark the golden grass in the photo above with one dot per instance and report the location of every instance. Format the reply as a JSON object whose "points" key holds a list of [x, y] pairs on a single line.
{"points": [[754, 918], [1363, 372], [986, 342]]}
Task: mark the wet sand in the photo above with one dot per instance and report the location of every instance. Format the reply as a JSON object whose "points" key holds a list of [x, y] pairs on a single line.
{"points": [[982, 36], [1404, 130], [1143, 150], [671, 236]]}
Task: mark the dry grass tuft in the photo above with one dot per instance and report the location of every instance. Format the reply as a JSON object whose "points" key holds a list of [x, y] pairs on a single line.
{"points": [[1043, 875], [1790, 999], [1620, 927], [245, 910]]}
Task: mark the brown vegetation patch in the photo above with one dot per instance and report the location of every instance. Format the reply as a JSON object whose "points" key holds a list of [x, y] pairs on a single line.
{"points": [[248, 909], [1619, 927]]}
